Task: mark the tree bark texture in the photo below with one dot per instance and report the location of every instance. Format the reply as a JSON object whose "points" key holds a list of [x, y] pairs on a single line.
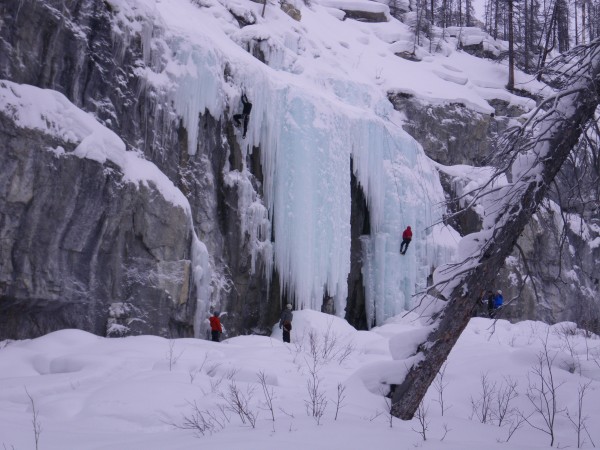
{"points": [[554, 135]]}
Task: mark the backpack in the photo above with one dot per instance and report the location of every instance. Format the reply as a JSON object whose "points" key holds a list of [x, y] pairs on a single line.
{"points": [[287, 325]]}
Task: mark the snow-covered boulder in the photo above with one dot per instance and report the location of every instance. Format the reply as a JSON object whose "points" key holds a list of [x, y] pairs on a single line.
{"points": [[363, 11]]}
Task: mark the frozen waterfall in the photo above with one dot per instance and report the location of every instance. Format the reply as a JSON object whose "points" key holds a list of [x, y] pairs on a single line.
{"points": [[309, 129]]}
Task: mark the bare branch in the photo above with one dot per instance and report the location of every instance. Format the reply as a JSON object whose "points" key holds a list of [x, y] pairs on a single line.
{"points": [[35, 420]]}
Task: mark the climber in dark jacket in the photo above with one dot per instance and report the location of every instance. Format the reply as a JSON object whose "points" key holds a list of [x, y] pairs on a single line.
{"points": [[285, 322], [245, 115], [406, 238], [489, 298]]}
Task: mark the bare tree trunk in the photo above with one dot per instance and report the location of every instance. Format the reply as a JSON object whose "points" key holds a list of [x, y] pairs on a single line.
{"points": [[562, 26], [547, 48], [511, 48], [532, 26], [576, 26], [496, 15], [468, 8], [591, 22], [550, 134], [444, 7], [583, 22], [504, 25], [526, 38]]}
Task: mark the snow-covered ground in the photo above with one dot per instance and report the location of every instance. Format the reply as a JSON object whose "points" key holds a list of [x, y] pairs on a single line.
{"points": [[89, 392]]}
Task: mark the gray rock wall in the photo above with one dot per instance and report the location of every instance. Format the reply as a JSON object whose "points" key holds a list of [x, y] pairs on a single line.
{"points": [[75, 240], [449, 134], [70, 46], [555, 277]]}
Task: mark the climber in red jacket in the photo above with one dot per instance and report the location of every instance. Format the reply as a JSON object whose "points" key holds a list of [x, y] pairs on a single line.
{"points": [[406, 238], [215, 327]]}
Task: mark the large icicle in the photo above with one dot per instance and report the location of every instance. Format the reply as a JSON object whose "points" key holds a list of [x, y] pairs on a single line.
{"points": [[201, 276]]}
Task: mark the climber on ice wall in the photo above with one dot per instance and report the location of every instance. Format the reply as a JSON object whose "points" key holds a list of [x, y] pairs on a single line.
{"points": [[406, 238], [245, 115]]}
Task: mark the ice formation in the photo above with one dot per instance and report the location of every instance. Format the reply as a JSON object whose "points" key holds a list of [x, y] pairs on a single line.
{"points": [[309, 129]]}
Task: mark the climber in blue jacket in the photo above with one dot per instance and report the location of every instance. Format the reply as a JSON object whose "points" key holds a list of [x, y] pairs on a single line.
{"points": [[498, 299]]}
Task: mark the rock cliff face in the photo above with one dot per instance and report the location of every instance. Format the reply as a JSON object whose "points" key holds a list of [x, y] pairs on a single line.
{"points": [[555, 276], [453, 133], [80, 248]]}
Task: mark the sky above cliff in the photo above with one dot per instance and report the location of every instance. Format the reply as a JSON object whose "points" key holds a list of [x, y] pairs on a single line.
{"points": [[133, 393]]}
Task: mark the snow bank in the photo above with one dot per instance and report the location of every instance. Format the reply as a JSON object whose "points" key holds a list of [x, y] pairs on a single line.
{"points": [[136, 392]]}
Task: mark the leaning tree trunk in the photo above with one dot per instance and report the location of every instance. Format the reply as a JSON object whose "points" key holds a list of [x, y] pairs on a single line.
{"points": [[549, 135]]}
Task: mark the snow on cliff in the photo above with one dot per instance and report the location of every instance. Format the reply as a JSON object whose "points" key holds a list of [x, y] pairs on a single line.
{"points": [[53, 114]]}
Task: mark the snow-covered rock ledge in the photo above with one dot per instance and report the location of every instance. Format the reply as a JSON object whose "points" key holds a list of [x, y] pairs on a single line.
{"points": [[87, 224]]}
